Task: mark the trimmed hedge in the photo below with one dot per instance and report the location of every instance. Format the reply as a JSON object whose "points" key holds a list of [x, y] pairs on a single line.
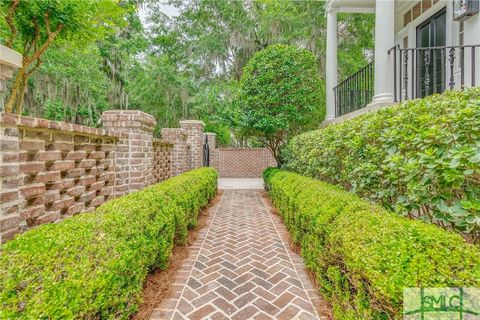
{"points": [[93, 265], [363, 255], [421, 157]]}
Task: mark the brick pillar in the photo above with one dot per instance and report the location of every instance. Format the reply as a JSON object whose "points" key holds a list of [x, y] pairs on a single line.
{"points": [[195, 140], [134, 152], [178, 138], [212, 147]]}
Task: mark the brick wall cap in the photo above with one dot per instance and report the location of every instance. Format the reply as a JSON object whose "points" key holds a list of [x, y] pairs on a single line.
{"points": [[191, 123], [174, 130], [144, 117], [241, 149], [39, 123]]}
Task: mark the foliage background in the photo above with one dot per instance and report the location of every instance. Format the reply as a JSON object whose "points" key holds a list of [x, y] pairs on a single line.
{"points": [[420, 158], [182, 66]]}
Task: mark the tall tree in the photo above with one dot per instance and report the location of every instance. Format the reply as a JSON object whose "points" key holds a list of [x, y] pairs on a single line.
{"points": [[32, 26], [280, 95]]}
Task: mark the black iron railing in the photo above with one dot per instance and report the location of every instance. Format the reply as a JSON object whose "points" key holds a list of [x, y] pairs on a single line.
{"points": [[355, 92], [420, 72]]}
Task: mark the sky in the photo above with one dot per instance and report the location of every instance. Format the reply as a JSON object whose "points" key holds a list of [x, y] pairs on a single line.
{"points": [[169, 10]]}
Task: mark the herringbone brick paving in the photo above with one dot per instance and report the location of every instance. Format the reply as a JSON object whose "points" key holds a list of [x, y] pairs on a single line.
{"points": [[241, 268]]}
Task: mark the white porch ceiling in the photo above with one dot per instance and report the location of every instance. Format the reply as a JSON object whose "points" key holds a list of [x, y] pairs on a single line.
{"points": [[354, 6]]}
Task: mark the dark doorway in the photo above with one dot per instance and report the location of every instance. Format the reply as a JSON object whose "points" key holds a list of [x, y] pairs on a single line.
{"points": [[431, 62]]}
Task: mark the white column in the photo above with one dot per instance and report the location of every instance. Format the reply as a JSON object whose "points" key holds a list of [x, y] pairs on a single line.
{"points": [[384, 40], [10, 60], [331, 63]]}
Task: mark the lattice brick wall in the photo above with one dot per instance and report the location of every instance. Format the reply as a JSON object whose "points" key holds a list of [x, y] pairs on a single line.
{"points": [[51, 170], [162, 160]]}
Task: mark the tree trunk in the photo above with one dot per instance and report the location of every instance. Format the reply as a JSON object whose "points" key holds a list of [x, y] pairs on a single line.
{"points": [[18, 89]]}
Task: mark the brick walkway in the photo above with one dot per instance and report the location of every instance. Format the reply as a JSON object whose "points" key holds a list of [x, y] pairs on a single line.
{"points": [[240, 268]]}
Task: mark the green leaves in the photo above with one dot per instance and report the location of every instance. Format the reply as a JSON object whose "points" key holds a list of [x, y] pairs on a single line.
{"points": [[420, 157], [93, 265], [280, 94], [364, 256]]}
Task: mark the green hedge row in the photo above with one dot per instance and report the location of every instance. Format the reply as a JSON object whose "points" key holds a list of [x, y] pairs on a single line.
{"points": [[361, 254], [93, 265], [421, 157]]}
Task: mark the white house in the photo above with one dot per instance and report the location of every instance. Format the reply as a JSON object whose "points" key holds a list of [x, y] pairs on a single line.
{"points": [[421, 47]]}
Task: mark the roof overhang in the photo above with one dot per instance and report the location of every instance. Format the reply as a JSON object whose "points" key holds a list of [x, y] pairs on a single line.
{"points": [[10, 57], [352, 6]]}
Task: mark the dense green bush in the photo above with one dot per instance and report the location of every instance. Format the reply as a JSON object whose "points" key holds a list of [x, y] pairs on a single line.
{"points": [[362, 255], [280, 95], [421, 157], [92, 266]]}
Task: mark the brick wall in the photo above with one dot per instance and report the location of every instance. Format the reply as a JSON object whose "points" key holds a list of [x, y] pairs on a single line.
{"points": [[51, 170], [239, 162], [195, 140], [178, 138], [134, 156], [162, 160]]}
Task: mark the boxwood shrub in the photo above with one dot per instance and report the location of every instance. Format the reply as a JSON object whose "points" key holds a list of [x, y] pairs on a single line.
{"points": [[421, 157], [93, 265], [363, 255]]}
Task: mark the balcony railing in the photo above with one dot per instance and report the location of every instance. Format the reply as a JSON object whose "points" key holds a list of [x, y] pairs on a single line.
{"points": [[355, 92], [420, 72]]}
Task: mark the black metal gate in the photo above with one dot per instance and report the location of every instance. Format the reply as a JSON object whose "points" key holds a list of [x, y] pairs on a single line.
{"points": [[206, 153]]}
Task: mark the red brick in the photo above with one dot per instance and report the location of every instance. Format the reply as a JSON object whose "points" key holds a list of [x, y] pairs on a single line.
{"points": [[64, 146], [75, 173], [75, 208], [97, 201], [9, 234], [63, 203], [49, 216], [106, 191], [96, 186], [49, 155], [9, 145], [107, 176], [32, 190], [10, 157], [62, 184], [44, 177], [62, 165], [7, 196], [76, 155], [9, 222], [9, 118], [32, 167], [87, 196], [27, 121], [87, 163], [96, 155], [86, 180], [32, 212], [36, 201], [76, 191], [30, 145], [51, 196]]}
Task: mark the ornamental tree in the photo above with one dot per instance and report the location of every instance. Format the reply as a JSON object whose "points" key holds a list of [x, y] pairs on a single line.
{"points": [[32, 26], [280, 95]]}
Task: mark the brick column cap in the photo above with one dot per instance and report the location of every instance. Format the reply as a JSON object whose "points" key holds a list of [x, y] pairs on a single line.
{"points": [[189, 123], [210, 134], [121, 120], [173, 135]]}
